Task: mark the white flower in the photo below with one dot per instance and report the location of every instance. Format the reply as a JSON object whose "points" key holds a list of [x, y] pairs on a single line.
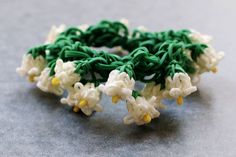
{"points": [[54, 32], [153, 89], [88, 98], [209, 60], [31, 67], [45, 83], [178, 87], [66, 77], [118, 86], [65, 73], [141, 111], [197, 37]]}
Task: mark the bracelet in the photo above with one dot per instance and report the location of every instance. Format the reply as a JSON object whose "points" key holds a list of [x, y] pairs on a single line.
{"points": [[74, 61]]}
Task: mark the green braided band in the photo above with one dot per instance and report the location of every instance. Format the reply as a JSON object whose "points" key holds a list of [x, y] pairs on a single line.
{"points": [[160, 54], [79, 61]]}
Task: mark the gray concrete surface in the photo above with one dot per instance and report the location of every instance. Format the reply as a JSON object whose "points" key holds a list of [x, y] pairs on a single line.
{"points": [[33, 123]]}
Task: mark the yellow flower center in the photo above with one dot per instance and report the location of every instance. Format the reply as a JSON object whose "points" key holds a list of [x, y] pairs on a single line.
{"points": [[147, 118], [31, 78], [55, 81], [76, 109], [214, 69], [83, 103], [115, 99], [180, 100]]}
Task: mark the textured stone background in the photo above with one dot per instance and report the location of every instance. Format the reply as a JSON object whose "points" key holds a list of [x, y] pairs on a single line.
{"points": [[33, 123]]}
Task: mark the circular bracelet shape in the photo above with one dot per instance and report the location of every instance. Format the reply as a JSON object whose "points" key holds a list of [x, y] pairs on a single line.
{"points": [[87, 61]]}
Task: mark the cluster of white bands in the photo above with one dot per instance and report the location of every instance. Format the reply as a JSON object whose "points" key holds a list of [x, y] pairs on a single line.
{"points": [[119, 85], [207, 61], [30, 67]]}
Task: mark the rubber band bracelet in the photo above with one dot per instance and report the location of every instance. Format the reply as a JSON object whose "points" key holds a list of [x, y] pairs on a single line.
{"points": [[74, 60]]}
